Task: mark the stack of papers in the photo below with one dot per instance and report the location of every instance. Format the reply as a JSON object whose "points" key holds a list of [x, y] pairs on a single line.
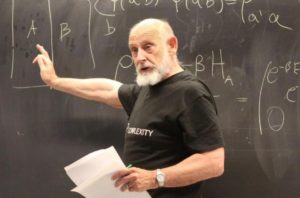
{"points": [[92, 175]]}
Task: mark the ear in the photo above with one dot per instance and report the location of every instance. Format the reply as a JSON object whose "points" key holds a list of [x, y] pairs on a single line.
{"points": [[172, 45]]}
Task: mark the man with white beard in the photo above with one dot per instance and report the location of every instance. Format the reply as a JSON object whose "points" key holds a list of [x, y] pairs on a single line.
{"points": [[173, 147]]}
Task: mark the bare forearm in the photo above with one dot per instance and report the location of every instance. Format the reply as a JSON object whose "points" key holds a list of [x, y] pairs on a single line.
{"points": [[96, 89], [195, 168]]}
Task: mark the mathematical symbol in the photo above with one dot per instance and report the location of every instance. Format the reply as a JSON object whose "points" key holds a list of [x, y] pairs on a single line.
{"points": [[242, 99], [188, 65], [230, 2]]}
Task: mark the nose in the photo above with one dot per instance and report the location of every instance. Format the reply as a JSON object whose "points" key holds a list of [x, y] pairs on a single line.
{"points": [[140, 56]]}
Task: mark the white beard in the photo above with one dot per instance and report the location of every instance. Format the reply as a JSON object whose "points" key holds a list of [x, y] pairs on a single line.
{"points": [[155, 76], [149, 79]]}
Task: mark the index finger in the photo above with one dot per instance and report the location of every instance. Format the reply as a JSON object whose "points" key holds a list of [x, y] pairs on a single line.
{"points": [[42, 50]]}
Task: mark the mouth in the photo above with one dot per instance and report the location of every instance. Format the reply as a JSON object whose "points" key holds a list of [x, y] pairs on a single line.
{"points": [[145, 69]]}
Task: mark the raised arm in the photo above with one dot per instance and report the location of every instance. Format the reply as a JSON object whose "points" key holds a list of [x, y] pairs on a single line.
{"points": [[97, 89]]}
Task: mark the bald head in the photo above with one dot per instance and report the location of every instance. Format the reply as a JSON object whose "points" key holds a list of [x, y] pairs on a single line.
{"points": [[160, 26]]}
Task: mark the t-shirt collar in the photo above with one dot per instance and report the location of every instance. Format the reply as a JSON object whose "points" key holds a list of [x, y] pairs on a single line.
{"points": [[171, 79]]}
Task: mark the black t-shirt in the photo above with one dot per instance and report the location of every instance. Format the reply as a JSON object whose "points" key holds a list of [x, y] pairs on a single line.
{"points": [[168, 122]]}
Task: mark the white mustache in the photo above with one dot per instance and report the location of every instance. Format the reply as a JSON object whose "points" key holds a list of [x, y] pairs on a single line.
{"points": [[141, 66]]}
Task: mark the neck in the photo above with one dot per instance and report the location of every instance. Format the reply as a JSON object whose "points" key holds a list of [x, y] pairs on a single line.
{"points": [[175, 68]]}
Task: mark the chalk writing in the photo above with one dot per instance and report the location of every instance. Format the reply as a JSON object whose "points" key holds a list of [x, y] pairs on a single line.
{"points": [[242, 99], [275, 118], [289, 92], [89, 34], [260, 98], [134, 2], [273, 18], [291, 67], [150, 2], [32, 29], [271, 77], [51, 30], [124, 62], [200, 4], [101, 12], [230, 2], [255, 17], [110, 29], [12, 39], [216, 63], [111, 11], [229, 80], [64, 30], [219, 64]]}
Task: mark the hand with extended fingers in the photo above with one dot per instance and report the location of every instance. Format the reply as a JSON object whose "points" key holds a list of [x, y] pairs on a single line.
{"points": [[47, 70]]}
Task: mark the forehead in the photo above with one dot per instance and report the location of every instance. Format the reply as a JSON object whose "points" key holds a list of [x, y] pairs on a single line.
{"points": [[144, 34]]}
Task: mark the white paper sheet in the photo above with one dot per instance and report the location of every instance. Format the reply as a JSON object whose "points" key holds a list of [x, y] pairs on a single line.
{"points": [[92, 175]]}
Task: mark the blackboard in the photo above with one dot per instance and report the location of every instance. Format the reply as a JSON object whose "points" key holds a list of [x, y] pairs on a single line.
{"points": [[247, 51]]}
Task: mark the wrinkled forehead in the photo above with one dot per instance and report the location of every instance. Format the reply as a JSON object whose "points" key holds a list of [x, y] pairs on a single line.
{"points": [[144, 33]]}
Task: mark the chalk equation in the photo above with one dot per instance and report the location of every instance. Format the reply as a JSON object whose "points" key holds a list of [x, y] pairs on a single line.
{"points": [[110, 9], [272, 75], [252, 18], [214, 63]]}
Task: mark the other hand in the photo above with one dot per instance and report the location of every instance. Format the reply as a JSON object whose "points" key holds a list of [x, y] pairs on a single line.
{"points": [[47, 70], [135, 179]]}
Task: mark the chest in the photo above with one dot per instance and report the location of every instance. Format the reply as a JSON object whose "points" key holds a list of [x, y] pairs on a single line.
{"points": [[155, 119]]}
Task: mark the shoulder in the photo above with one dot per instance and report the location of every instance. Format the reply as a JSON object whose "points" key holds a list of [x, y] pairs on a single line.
{"points": [[128, 94], [193, 86], [194, 90], [131, 89]]}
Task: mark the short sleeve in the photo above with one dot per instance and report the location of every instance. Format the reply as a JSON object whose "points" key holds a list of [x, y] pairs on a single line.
{"points": [[128, 94], [200, 125]]}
